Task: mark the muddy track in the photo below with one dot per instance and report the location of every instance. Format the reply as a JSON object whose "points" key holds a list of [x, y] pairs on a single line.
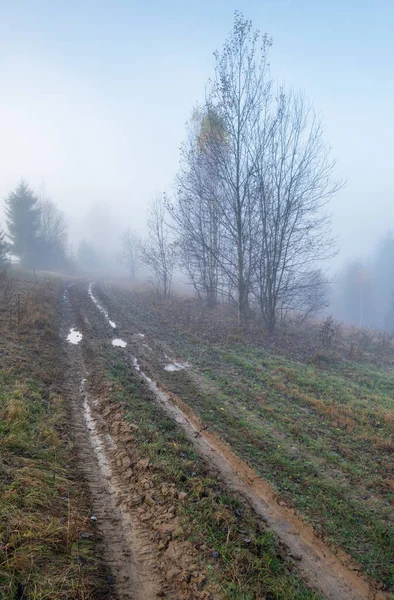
{"points": [[333, 575], [127, 547]]}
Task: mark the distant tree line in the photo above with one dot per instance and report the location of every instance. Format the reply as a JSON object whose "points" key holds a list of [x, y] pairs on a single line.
{"points": [[363, 294]]}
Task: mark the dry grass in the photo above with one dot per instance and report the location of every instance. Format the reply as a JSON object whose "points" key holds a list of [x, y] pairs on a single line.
{"points": [[44, 506]]}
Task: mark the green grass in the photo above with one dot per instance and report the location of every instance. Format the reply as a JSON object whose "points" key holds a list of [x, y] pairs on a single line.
{"points": [[321, 434], [250, 565], [325, 462]]}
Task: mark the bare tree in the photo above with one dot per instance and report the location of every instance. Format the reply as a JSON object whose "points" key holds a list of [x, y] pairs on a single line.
{"points": [[239, 94], [294, 182], [53, 224], [253, 189], [196, 212], [158, 252], [130, 251], [52, 236]]}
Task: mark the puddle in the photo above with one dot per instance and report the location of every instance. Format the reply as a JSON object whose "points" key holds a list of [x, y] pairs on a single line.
{"points": [[74, 337], [176, 366], [119, 343], [100, 307], [66, 291]]}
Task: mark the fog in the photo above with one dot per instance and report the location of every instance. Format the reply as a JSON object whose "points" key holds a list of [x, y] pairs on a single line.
{"points": [[95, 100]]}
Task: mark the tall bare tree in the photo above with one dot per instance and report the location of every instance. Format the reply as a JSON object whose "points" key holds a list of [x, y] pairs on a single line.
{"points": [[196, 212], [158, 252], [254, 187], [294, 182], [130, 252], [53, 224], [52, 236], [240, 94]]}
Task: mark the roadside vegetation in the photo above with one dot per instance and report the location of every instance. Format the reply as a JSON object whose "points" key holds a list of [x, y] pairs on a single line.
{"points": [[313, 415], [48, 547]]}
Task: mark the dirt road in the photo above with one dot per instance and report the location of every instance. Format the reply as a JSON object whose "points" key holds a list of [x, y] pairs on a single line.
{"points": [[105, 445]]}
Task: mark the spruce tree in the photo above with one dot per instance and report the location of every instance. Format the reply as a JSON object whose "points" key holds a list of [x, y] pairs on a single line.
{"points": [[4, 247], [23, 221]]}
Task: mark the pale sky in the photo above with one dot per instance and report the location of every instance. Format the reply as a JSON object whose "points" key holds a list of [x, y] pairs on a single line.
{"points": [[95, 96]]}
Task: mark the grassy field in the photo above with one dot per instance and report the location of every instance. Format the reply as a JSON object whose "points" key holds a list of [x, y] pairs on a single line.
{"points": [[319, 426], [47, 543]]}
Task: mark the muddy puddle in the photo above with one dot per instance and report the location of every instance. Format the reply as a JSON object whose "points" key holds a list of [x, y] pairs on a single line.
{"points": [[119, 343], [100, 306], [74, 336], [174, 366]]}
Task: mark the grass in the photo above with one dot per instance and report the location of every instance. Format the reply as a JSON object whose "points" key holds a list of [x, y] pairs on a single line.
{"points": [[249, 564], [42, 511], [44, 504], [322, 433]]}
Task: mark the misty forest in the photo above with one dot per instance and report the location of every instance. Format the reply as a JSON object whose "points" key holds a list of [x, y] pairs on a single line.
{"points": [[200, 405]]}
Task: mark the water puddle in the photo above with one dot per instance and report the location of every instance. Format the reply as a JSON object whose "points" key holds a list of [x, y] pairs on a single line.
{"points": [[66, 291], [160, 394], [100, 307], [119, 343], [176, 366], [74, 337]]}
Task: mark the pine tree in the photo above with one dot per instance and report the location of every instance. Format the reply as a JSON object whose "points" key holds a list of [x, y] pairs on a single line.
{"points": [[4, 247], [23, 221]]}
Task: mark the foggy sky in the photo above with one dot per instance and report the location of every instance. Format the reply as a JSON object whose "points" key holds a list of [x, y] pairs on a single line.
{"points": [[95, 96]]}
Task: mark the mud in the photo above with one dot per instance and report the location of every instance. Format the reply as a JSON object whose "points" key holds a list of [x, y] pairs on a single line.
{"points": [[134, 515]]}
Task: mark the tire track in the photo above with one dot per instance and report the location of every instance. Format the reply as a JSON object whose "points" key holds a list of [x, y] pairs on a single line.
{"points": [[127, 548]]}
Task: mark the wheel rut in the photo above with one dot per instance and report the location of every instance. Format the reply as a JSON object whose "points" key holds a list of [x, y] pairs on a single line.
{"points": [[126, 546]]}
